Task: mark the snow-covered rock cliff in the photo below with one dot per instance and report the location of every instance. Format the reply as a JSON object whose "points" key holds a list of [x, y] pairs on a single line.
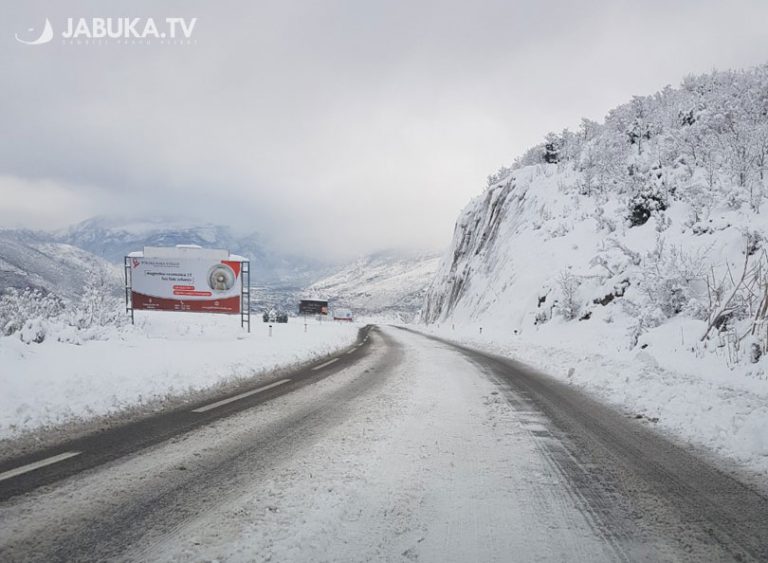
{"points": [[624, 227]]}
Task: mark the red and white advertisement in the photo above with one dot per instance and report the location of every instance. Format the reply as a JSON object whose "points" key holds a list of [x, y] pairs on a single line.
{"points": [[186, 283]]}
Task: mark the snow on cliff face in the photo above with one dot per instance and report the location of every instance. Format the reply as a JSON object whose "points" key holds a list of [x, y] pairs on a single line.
{"points": [[624, 229], [525, 243], [389, 283]]}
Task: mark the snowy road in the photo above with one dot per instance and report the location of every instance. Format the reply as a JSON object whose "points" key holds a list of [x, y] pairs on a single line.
{"points": [[405, 449]]}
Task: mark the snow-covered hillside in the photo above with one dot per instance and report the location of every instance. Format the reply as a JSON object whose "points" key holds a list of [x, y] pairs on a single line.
{"points": [[640, 242], [624, 227], [31, 260], [386, 283]]}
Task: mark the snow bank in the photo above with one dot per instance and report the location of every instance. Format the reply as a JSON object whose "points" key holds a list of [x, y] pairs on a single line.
{"points": [[66, 378]]}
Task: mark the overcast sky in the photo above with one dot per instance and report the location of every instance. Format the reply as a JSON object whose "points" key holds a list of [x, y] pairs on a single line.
{"points": [[337, 127]]}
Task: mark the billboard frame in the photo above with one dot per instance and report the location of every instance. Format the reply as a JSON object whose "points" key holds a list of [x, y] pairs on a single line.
{"points": [[245, 294], [245, 291], [128, 280]]}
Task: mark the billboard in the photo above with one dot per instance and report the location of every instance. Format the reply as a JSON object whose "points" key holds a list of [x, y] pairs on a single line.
{"points": [[202, 281], [342, 314], [313, 307]]}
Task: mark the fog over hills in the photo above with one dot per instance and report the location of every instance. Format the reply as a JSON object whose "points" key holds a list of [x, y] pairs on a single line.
{"points": [[391, 282], [114, 237]]}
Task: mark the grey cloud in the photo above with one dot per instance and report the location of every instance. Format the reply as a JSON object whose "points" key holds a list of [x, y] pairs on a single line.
{"points": [[338, 126]]}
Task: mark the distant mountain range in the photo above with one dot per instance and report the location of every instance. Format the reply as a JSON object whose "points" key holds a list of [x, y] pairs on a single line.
{"points": [[391, 282]]}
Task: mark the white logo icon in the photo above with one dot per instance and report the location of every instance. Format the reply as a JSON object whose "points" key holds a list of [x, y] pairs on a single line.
{"points": [[45, 36]]}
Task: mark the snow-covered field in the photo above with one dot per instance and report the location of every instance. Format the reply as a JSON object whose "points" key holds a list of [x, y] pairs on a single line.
{"points": [[162, 356], [686, 395]]}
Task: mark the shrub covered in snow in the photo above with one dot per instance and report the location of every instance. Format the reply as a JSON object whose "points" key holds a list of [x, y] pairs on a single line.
{"points": [[651, 199], [33, 314], [569, 304], [21, 308], [97, 305]]}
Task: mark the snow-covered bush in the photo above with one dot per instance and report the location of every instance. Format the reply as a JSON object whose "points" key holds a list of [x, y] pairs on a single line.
{"points": [[700, 199], [646, 318], [738, 303], [647, 200], [33, 331], [34, 315], [20, 307], [97, 305], [673, 279], [499, 176], [569, 305]]}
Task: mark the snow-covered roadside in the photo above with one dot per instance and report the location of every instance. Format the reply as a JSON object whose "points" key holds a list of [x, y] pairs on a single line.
{"points": [[690, 397], [164, 355]]}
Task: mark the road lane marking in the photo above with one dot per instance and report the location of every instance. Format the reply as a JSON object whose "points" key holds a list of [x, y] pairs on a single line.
{"points": [[329, 362], [36, 465], [240, 396], [353, 350]]}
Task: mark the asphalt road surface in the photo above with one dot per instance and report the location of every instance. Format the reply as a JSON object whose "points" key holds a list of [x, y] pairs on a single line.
{"points": [[403, 447]]}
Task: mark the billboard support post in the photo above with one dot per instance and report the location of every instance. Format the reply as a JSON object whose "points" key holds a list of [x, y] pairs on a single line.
{"points": [[128, 301], [245, 295]]}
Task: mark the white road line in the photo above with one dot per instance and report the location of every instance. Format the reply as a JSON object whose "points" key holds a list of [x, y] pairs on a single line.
{"points": [[240, 396], [353, 350], [36, 465], [329, 362]]}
